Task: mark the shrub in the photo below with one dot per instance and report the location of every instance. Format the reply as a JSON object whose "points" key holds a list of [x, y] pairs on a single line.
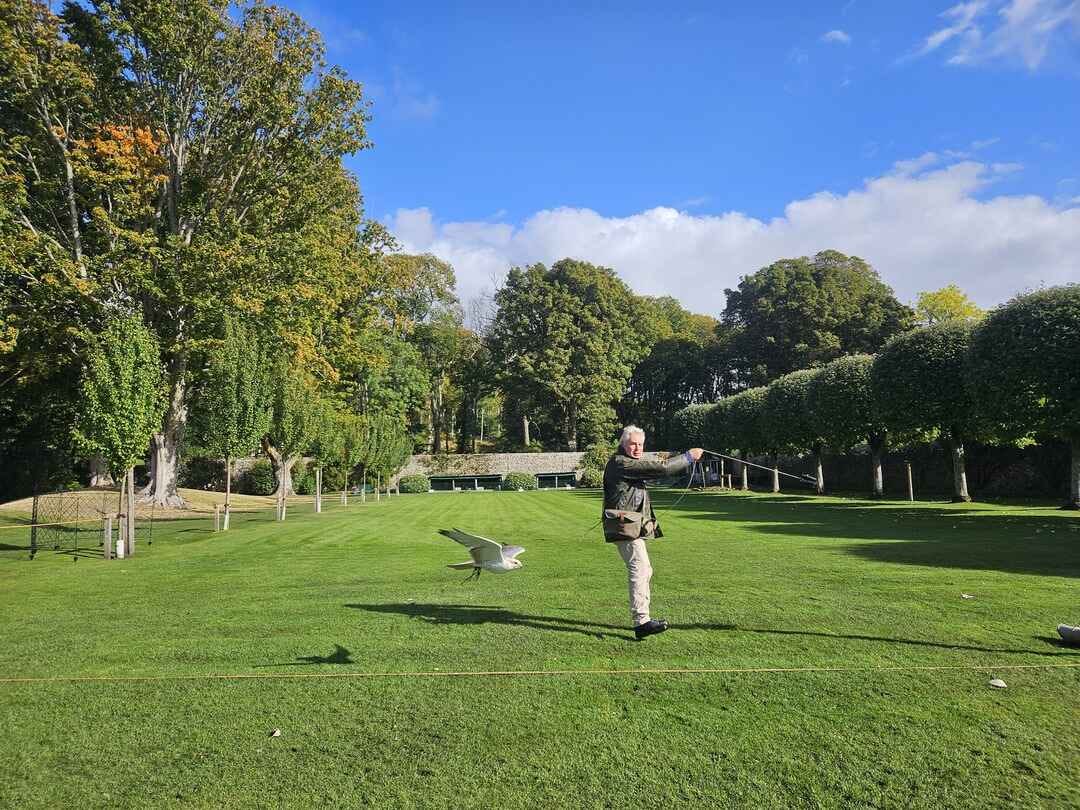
{"points": [[596, 456], [202, 473], [519, 480], [591, 478], [412, 484], [258, 479], [304, 484]]}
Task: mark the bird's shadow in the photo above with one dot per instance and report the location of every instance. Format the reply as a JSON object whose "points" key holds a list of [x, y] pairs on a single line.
{"points": [[340, 655], [494, 614]]}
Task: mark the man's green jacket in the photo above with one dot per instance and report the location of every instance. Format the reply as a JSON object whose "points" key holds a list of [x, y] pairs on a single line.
{"points": [[625, 489]]}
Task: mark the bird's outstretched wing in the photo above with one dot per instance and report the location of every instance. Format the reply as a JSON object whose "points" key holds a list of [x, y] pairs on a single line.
{"points": [[510, 552], [481, 549]]}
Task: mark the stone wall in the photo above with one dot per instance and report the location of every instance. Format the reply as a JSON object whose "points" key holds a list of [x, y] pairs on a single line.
{"points": [[490, 464], [495, 464]]}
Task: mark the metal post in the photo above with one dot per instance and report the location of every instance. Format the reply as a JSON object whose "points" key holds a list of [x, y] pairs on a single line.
{"points": [[217, 518], [910, 487]]}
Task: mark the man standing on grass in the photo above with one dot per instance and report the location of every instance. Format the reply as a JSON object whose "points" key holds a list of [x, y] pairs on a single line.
{"points": [[629, 519]]}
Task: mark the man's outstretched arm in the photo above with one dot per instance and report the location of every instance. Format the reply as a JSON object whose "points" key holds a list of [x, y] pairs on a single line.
{"points": [[647, 468]]}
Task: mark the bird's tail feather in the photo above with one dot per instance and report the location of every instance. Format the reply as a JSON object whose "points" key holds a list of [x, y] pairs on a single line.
{"points": [[461, 566]]}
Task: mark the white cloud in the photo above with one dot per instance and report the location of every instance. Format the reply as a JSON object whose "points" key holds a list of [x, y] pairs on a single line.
{"points": [[919, 230], [839, 37], [1021, 30]]}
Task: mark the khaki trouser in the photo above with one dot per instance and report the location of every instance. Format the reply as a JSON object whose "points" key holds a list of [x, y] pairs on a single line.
{"points": [[639, 571]]}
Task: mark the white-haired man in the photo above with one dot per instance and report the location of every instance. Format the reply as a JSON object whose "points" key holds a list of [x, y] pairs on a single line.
{"points": [[629, 519]]}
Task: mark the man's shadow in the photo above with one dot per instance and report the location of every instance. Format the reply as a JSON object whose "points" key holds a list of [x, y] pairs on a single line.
{"points": [[493, 614], [885, 639], [340, 655]]}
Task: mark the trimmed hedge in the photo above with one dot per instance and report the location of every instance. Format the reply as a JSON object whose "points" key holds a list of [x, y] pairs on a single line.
{"points": [[519, 480], [412, 484]]}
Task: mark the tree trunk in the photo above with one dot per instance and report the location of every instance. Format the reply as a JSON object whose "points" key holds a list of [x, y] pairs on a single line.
{"points": [[165, 445], [436, 418], [1074, 476], [99, 473], [363, 488], [282, 468], [819, 484], [745, 475], [960, 490], [318, 490], [345, 490], [228, 492], [525, 429], [877, 450], [775, 475], [378, 494]]}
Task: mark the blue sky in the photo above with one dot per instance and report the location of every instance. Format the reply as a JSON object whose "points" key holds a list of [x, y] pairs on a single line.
{"points": [[690, 145]]}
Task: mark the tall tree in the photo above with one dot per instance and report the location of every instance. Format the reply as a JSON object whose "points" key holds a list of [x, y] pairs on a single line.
{"points": [[440, 344], [796, 313], [120, 402], [232, 405], [792, 423], [945, 304], [675, 372], [918, 382], [1024, 370], [294, 421], [570, 337], [187, 160], [841, 399]]}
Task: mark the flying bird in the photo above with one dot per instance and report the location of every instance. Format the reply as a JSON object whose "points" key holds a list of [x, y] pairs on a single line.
{"points": [[487, 555]]}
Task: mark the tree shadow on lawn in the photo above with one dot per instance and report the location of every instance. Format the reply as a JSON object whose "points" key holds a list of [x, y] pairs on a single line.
{"points": [[884, 639], [968, 538], [340, 655], [494, 614]]}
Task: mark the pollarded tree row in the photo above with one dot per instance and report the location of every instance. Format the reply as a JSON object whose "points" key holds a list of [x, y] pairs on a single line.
{"points": [[1012, 377]]}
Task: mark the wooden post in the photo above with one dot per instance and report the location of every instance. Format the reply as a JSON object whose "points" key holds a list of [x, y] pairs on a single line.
{"points": [[910, 487], [745, 478], [217, 518], [730, 485], [106, 536], [775, 479]]}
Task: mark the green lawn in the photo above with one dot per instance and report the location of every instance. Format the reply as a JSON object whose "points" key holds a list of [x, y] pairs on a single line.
{"points": [[889, 704]]}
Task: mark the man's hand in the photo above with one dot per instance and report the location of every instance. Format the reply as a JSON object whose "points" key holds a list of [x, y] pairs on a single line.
{"points": [[695, 453]]}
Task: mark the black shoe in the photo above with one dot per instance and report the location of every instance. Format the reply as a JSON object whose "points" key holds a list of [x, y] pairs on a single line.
{"points": [[650, 628]]}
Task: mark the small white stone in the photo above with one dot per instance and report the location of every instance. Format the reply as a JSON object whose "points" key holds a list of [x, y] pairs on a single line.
{"points": [[967, 596], [276, 732], [997, 683]]}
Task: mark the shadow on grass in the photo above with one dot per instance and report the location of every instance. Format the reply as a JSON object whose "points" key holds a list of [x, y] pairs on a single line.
{"points": [[493, 614], [340, 655], [883, 639], [967, 536]]}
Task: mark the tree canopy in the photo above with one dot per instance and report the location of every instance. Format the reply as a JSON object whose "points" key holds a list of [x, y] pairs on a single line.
{"points": [[568, 339], [801, 312]]}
